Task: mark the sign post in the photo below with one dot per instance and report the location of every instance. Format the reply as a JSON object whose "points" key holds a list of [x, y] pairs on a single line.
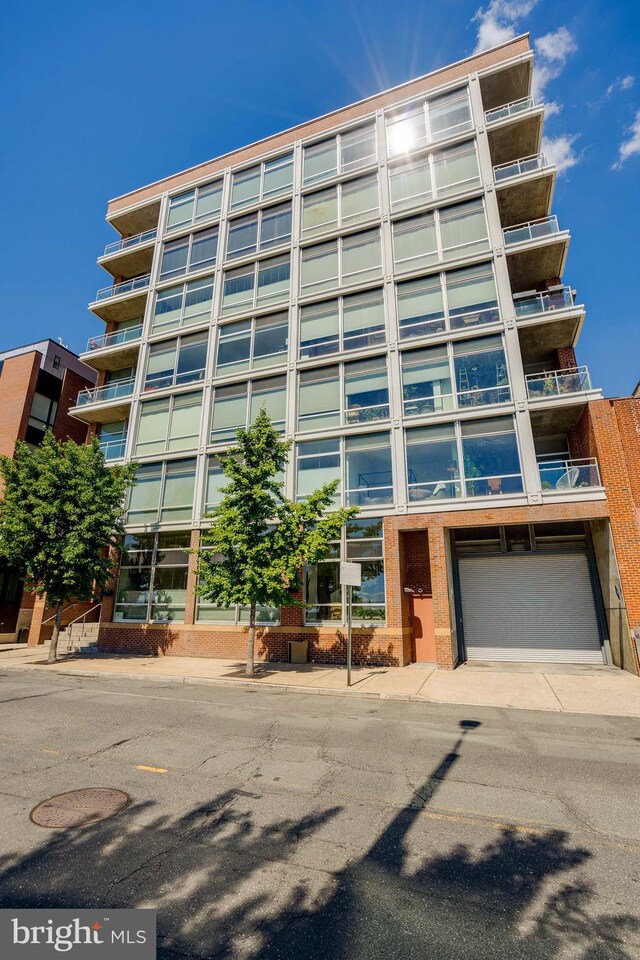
{"points": [[350, 577]]}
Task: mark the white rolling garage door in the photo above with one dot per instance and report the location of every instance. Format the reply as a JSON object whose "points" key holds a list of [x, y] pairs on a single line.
{"points": [[530, 607]]}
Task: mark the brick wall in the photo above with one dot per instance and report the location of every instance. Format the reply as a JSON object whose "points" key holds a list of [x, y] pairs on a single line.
{"points": [[66, 427], [17, 386]]}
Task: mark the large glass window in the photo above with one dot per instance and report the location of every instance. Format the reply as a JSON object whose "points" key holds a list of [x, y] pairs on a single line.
{"points": [[195, 206], [265, 180], [484, 452], [490, 457], [341, 154], [113, 439], [347, 323], [152, 585], [256, 285], [177, 362], [478, 368], [433, 463], [194, 252], [426, 381], [419, 180], [184, 305], [251, 344], [471, 299], [343, 394], [368, 473], [340, 262], [415, 125], [340, 206], [169, 424], [361, 542], [447, 234], [259, 231], [238, 404], [318, 462], [163, 492], [481, 372]]}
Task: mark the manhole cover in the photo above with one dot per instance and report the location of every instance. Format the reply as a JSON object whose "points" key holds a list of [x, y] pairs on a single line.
{"points": [[79, 807]]}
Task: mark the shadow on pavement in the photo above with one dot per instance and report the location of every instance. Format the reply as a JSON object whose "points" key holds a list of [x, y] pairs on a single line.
{"points": [[228, 882]]}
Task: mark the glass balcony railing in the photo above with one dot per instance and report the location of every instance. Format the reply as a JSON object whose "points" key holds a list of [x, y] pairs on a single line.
{"points": [[509, 109], [504, 171], [557, 383], [125, 286], [534, 303], [113, 339], [111, 391], [533, 230], [127, 242], [113, 449], [565, 475]]}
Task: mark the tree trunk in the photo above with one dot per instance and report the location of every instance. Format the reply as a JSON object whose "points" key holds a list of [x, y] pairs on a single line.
{"points": [[251, 639], [53, 646]]}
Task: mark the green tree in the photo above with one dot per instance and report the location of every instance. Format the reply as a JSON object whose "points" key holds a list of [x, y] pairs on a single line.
{"points": [[255, 550], [61, 511]]}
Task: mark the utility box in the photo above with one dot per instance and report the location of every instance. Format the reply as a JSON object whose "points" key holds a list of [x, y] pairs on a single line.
{"points": [[298, 651]]}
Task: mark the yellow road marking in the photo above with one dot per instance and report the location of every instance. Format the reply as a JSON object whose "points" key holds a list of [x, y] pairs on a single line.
{"points": [[142, 766]]}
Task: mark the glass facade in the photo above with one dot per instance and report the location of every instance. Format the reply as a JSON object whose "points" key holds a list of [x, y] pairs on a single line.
{"points": [[350, 289]]}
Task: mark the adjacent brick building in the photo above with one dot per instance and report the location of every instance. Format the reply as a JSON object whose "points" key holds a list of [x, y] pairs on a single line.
{"points": [[39, 383], [387, 281]]}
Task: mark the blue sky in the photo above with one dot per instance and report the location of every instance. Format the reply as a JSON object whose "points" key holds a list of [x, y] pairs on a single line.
{"points": [[103, 98]]}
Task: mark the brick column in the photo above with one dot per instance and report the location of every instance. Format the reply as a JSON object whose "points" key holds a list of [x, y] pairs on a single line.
{"points": [[566, 358], [440, 590], [392, 573], [190, 604], [39, 608]]}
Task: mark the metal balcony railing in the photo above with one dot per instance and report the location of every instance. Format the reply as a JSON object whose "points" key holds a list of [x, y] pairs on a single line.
{"points": [[533, 230], [125, 286], [509, 109], [544, 301], [557, 383], [113, 339], [127, 242], [113, 449], [111, 391], [564, 475], [504, 171]]}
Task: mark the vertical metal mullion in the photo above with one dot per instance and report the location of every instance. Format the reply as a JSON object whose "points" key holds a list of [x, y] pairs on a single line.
{"points": [[463, 479]]}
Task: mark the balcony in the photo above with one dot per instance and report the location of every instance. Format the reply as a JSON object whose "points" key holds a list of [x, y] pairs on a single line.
{"points": [[524, 188], [113, 449], [557, 383], [547, 320], [122, 301], [131, 255], [104, 404], [536, 250], [112, 351], [533, 304], [566, 476], [133, 219], [509, 110]]}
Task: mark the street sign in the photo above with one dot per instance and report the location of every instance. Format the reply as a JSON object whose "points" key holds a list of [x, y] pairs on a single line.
{"points": [[350, 574]]}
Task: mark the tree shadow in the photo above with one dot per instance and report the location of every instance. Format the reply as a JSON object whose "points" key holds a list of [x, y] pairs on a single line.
{"points": [[229, 881]]}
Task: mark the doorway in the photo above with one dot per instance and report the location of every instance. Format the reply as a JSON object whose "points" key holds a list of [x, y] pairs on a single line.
{"points": [[422, 626]]}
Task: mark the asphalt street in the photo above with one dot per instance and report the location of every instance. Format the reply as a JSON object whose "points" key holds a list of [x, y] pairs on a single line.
{"points": [[266, 824]]}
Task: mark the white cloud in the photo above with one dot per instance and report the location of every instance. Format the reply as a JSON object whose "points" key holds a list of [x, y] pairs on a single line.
{"points": [[560, 151], [497, 22], [556, 45], [631, 146], [622, 83], [552, 51]]}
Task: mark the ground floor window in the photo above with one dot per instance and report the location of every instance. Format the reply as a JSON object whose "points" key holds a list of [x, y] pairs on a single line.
{"points": [[152, 585], [361, 542]]}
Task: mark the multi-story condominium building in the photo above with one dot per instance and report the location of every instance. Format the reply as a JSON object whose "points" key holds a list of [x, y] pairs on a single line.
{"points": [[39, 383], [387, 280]]}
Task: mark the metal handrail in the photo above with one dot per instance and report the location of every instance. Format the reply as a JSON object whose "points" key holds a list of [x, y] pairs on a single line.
{"points": [[532, 230], [53, 616], [125, 286], [118, 336], [507, 110], [126, 242], [543, 301], [107, 445], [537, 161], [118, 390], [553, 382], [567, 473], [83, 616]]}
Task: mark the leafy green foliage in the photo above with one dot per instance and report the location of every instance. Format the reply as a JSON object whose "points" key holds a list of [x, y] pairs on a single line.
{"points": [[61, 511], [259, 542]]}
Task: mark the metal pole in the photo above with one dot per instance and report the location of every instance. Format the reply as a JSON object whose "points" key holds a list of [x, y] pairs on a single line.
{"points": [[349, 592]]}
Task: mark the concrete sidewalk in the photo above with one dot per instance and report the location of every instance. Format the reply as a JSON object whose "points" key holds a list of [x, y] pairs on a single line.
{"points": [[566, 688]]}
